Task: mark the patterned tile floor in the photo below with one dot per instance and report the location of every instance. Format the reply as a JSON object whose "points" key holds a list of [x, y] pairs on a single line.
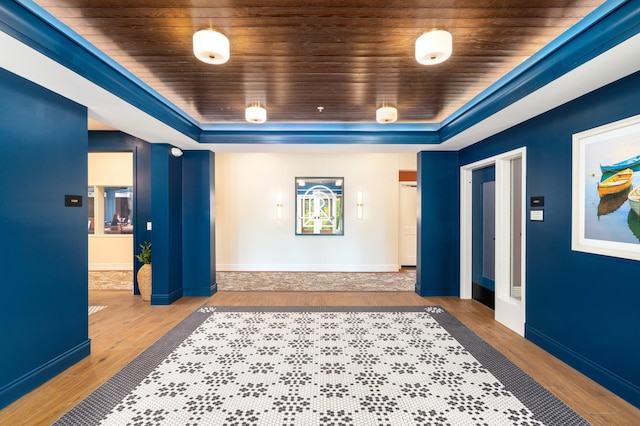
{"points": [[385, 366], [281, 281], [94, 309]]}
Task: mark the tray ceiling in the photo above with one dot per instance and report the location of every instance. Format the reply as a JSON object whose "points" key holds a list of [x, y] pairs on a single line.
{"points": [[345, 56]]}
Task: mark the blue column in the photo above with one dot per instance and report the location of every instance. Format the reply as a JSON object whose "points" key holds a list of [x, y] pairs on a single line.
{"points": [[438, 263], [198, 224], [166, 218]]}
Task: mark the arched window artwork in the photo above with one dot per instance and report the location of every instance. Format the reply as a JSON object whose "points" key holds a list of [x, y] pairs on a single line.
{"points": [[319, 206]]}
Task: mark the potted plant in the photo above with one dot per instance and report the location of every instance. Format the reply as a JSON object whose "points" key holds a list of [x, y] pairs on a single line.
{"points": [[144, 273]]}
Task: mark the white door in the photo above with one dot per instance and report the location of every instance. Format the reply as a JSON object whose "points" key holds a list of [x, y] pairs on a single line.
{"points": [[510, 190], [408, 224]]}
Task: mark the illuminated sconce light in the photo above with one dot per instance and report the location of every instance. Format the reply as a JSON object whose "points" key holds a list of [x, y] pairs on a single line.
{"points": [[279, 206], [359, 206]]}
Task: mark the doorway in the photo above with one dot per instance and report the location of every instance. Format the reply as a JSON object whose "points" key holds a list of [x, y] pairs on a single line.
{"points": [[509, 189], [484, 236], [408, 224], [110, 224]]}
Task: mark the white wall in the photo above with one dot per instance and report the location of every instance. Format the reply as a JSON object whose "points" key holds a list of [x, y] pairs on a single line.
{"points": [[250, 238], [111, 252], [110, 168]]}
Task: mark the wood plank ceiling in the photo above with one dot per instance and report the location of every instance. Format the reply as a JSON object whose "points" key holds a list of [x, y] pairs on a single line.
{"points": [[346, 56]]}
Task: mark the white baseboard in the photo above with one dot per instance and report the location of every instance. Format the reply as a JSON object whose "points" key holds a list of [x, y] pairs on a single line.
{"points": [[306, 268], [110, 267]]}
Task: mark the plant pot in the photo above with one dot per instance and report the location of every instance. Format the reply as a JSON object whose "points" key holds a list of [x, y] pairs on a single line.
{"points": [[144, 281]]}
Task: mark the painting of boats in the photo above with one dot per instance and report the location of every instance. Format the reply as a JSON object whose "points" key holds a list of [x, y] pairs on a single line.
{"points": [[632, 163], [611, 203], [616, 183], [634, 200]]}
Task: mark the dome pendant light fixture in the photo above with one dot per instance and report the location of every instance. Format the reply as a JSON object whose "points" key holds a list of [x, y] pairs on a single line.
{"points": [[211, 47], [386, 114], [434, 47], [255, 114]]}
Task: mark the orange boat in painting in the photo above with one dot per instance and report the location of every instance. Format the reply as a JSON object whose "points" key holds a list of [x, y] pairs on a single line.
{"points": [[616, 183]]}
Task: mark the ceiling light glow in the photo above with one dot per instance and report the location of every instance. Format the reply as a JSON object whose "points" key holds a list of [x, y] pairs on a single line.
{"points": [[434, 47]]}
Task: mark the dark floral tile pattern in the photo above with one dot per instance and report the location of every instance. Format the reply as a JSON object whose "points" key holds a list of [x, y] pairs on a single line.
{"points": [[343, 368]]}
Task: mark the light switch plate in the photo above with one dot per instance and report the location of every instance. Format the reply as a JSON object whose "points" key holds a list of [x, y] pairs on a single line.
{"points": [[148, 226]]}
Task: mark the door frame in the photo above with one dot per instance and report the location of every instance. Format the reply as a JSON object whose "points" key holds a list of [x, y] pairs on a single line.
{"points": [[510, 312], [409, 184]]}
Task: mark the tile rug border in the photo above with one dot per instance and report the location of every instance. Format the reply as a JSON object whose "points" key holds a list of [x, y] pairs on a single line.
{"points": [[545, 406], [94, 309]]}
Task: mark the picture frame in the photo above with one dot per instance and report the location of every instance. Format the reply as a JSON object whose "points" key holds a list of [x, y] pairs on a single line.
{"points": [[319, 205], [605, 202]]}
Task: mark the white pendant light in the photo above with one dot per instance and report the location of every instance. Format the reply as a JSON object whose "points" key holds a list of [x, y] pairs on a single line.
{"points": [[434, 47], [211, 47], [386, 114], [255, 114]]}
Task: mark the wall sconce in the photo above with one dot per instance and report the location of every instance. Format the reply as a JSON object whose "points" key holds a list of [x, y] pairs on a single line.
{"points": [[359, 206], [279, 206]]}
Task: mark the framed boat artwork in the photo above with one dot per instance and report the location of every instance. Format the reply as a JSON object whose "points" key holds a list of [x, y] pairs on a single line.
{"points": [[606, 190]]}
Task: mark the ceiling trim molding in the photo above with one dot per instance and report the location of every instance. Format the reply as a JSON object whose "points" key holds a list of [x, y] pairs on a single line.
{"points": [[325, 137], [607, 26], [610, 24], [30, 24]]}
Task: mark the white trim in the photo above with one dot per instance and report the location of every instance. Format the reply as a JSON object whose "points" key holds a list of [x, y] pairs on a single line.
{"points": [[505, 304]]}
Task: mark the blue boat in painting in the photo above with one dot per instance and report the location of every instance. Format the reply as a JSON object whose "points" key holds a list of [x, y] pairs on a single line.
{"points": [[630, 163]]}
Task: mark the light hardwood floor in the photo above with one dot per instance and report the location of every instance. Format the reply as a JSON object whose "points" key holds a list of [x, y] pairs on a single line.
{"points": [[128, 326]]}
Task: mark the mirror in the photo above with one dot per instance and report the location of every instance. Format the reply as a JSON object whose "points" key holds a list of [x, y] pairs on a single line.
{"points": [[319, 206]]}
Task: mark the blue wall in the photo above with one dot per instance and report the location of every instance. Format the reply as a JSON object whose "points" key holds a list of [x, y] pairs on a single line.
{"points": [[166, 205], [581, 307], [438, 260], [104, 141], [43, 247], [183, 236], [198, 224]]}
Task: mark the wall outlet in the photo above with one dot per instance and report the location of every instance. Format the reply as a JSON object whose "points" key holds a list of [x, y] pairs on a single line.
{"points": [[148, 226]]}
